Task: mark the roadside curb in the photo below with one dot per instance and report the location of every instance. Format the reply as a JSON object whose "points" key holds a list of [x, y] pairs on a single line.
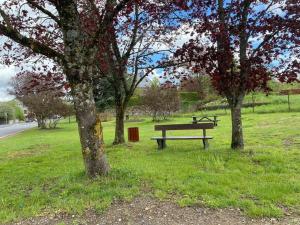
{"points": [[22, 129], [8, 135]]}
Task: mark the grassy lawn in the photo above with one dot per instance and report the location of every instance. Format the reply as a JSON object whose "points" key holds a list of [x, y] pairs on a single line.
{"points": [[41, 171]]}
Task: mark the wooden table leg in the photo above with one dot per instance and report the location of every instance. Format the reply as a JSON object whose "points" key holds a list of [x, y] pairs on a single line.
{"points": [[205, 143], [161, 144]]}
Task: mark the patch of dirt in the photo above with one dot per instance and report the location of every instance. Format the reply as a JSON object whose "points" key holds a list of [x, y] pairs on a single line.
{"points": [[32, 150], [148, 211], [292, 141]]}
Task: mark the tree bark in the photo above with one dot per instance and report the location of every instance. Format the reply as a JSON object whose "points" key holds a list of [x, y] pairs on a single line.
{"points": [[237, 140], [90, 131], [79, 66], [39, 122], [119, 129]]}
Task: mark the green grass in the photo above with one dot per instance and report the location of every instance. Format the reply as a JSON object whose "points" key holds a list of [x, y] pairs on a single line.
{"points": [[41, 171], [275, 103]]}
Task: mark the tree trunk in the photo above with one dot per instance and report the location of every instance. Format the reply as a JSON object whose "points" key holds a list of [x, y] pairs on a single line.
{"points": [[39, 121], [42, 123], [119, 129], [154, 116], [237, 140], [90, 130]]}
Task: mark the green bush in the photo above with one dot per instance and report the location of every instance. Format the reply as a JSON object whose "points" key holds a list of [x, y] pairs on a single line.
{"points": [[189, 96], [6, 111], [12, 109], [135, 101], [19, 114]]}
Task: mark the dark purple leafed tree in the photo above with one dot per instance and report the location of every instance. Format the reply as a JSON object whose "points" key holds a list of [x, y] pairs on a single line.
{"points": [[241, 44], [43, 95], [61, 31]]}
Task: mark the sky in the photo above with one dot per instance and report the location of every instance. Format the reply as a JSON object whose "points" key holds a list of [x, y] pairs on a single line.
{"points": [[5, 75]]}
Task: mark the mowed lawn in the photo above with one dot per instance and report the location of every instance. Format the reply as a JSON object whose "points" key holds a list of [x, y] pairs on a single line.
{"points": [[41, 171]]}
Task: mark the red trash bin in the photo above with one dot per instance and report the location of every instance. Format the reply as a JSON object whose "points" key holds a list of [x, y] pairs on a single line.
{"points": [[133, 134]]}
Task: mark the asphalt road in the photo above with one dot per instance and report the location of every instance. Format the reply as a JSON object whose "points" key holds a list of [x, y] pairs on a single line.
{"points": [[7, 130]]}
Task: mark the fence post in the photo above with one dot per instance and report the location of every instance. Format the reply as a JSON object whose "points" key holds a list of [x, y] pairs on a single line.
{"points": [[253, 102], [289, 101]]}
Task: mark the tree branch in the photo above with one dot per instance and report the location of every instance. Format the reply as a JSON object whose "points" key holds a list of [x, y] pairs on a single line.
{"points": [[45, 11], [267, 38], [95, 9], [107, 19], [262, 13], [134, 35], [5, 18], [34, 45], [119, 7]]}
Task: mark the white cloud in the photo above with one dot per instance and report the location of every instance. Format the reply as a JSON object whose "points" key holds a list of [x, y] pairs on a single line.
{"points": [[182, 35], [5, 75]]}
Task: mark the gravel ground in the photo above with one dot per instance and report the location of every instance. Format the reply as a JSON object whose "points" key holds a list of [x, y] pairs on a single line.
{"points": [[147, 211]]}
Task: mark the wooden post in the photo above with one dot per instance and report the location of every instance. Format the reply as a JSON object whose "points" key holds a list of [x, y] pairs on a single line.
{"points": [[6, 117], [215, 121], [163, 143], [205, 141], [253, 102], [289, 101], [289, 92], [163, 133], [194, 119]]}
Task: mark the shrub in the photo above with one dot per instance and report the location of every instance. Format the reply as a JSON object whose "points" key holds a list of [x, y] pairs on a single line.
{"points": [[160, 102], [189, 96]]}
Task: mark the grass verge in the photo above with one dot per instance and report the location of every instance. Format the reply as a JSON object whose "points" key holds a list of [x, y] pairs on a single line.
{"points": [[41, 171]]}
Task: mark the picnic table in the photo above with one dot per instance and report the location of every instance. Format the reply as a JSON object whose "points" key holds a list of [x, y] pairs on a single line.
{"points": [[205, 119], [161, 141]]}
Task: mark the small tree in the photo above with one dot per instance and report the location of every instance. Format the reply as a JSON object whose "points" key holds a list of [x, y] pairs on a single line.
{"points": [[160, 101], [47, 107], [201, 84], [151, 99], [171, 100], [44, 98]]}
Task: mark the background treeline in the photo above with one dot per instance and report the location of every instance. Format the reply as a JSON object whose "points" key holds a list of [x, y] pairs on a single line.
{"points": [[160, 100]]}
